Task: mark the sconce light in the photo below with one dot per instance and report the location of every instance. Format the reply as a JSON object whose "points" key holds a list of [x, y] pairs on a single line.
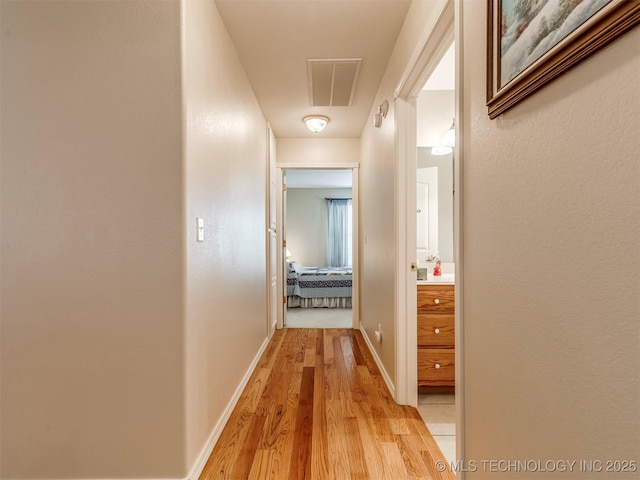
{"points": [[449, 138], [383, 109], [447, 143], [316, 123]]}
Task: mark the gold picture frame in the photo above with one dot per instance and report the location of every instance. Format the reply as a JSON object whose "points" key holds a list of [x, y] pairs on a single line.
{"points": [[524, 66]]}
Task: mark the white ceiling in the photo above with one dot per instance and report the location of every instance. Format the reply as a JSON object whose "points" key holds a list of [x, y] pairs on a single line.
{"points": [[318, 178], [444, 76], [274, 39]]}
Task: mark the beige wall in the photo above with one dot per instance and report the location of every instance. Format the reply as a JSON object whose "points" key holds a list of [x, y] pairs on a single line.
{"points": [[225, 166], [115, 321], [307, 223], [318, 150], [377, 186], [92, 238], [551, 262]]}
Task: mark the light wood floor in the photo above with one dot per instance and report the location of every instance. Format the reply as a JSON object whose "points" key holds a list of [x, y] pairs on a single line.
{"points": [[316, 407]]}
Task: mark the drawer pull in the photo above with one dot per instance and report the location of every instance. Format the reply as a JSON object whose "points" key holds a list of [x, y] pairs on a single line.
{"points": [[436, 331], [436, 301], [437, 365]]}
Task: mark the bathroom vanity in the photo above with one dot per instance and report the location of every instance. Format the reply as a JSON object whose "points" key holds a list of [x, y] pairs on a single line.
{"points": [[436, 340]]}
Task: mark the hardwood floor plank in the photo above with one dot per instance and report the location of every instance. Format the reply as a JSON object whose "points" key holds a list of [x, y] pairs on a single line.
{"points": [[395, 465], [355, 348], [372, 450], [337, 440], [328, 346], [317, 407], [319, 442], [412, 458], [302, 446], [261, 467], [248, 449], [357, 464]]}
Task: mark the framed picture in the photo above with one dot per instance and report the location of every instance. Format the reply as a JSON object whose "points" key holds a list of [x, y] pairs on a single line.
{"points": [[531, 42]]}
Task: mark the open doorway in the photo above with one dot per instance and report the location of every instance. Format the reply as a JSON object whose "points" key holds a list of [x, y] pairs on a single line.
{"points": [[419, 357], [318, 232], [435, 253]]}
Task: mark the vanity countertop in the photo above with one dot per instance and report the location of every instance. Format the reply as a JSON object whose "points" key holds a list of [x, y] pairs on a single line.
{"points": [[444, 279]]}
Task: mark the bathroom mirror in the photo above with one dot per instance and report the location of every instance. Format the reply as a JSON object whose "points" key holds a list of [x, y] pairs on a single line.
{"points": [[434, 205]]}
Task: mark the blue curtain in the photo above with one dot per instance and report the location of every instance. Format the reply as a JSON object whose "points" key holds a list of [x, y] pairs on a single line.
{"points": [[338, 232]]}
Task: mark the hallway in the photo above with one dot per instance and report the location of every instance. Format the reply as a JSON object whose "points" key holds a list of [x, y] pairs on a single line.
{"points": [[316, 407]]}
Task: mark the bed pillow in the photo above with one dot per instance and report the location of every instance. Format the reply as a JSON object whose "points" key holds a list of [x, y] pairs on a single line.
{"points": [[292, 267]]}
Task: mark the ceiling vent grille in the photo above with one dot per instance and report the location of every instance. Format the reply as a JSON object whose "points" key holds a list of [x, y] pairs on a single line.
{"points": [[332, 82]]}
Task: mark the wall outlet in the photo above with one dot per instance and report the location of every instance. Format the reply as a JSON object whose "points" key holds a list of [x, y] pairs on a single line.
{"points": [[378, 333]]}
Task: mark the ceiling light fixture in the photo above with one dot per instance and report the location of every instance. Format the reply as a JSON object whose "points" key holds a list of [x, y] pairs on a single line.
{"points": [[441, 150], [449, 138], [448, 141], [316, 123]]}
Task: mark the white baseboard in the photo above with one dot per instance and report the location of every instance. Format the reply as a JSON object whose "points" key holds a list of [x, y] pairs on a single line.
{"points": [[205, 453], [385, 375]]}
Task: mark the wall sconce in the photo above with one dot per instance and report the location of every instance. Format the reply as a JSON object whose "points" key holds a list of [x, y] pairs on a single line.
{"points": [[316, 123], [448, 141], [449, 138], [383, 109]]}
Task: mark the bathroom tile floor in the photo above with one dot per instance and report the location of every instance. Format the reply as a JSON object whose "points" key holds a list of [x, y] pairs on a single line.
{"points": [[439, 413]]}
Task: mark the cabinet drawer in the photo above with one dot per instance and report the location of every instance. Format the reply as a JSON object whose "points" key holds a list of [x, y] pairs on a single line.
{"points": [[436, 330], [436, 367], [436, 298]]}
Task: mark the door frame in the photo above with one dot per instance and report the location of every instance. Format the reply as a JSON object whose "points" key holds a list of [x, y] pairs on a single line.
{"points": [[436, 38], [280, 233]]}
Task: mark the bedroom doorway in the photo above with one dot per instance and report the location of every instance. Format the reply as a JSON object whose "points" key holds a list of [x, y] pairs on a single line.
{"points": [[319, 256]]}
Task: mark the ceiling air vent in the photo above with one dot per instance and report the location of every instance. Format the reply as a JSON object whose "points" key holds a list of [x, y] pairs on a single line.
{"points": [[332, 82]]}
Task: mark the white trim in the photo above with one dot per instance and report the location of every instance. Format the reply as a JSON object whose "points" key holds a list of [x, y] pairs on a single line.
{"points": [[280, 229], [355, 252], [406, 296], [458, 208], [434, 42], [205, 453], [280, 277], [385, 375], [317, 166]]}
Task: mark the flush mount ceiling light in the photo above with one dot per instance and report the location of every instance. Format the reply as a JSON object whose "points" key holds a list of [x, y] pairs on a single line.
{"points": [[316, 123]]}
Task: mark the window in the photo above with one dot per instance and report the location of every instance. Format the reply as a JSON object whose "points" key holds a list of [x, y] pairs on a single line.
{"points": [[339, 232]]}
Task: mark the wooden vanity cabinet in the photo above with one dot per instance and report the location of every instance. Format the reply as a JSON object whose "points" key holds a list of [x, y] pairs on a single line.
{"points": [[436, 341]]}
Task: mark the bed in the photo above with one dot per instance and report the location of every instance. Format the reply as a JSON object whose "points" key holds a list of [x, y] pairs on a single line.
{"points": [[318, 287]]}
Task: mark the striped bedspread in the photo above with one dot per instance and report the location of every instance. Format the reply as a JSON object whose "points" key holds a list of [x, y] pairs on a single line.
{"points": [[319, 282]]}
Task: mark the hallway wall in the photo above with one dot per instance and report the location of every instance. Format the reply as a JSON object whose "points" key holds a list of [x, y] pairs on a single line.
{"points": [[318, 150], [124, 339], [307, 218], [225, 169], [378, 241], [92, 237], [551, 210]]}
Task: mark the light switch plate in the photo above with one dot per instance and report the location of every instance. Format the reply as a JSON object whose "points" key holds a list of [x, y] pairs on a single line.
{"points": [[200, 231]]}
